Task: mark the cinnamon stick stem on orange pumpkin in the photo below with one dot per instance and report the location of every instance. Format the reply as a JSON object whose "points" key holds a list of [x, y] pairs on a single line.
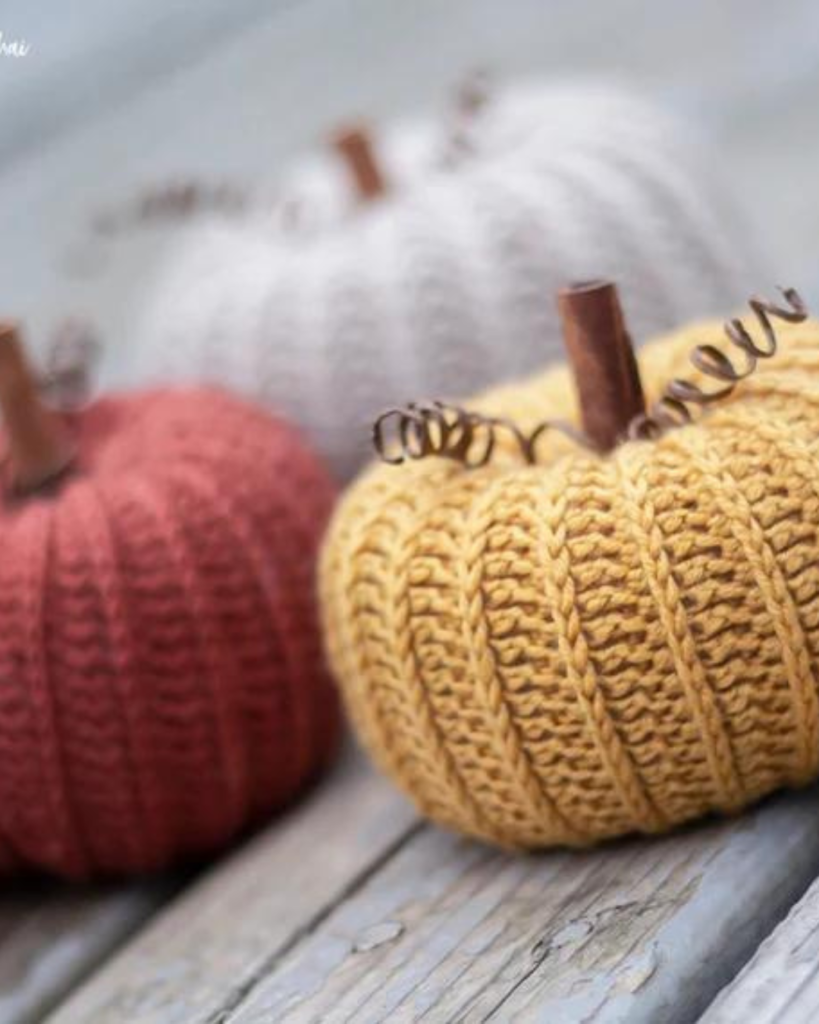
{"points": [[355, 146], [602, 358], [37, 448]]}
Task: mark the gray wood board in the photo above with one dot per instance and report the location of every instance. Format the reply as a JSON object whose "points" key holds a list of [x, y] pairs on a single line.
{"points": [[200, 955], [780, 984], [350, 910], [52, 936], [642, 931]]}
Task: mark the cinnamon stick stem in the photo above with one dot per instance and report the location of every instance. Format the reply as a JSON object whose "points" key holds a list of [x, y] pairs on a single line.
{"points": [[602, 358], [355, 146], [37, 448]]}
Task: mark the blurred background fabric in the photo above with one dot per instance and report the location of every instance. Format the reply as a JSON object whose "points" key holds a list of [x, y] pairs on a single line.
{"points": [[111, 96], [330, 309]]}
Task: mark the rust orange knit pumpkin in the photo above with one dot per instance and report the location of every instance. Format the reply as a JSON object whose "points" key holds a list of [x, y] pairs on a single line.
{"points": [[161, 683]]}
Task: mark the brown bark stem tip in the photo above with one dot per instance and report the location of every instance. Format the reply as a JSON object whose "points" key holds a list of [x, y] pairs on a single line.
{"points": [[355, 146], [602, 358], [38, 450]]}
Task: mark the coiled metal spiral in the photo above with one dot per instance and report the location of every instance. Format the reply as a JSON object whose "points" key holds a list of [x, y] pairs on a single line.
{"points": [[173, 201], [674, 407], [470, 100], [186, 198], [421, 429]]}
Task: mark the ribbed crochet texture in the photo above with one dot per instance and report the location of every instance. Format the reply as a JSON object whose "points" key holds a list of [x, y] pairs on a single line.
{"points": [[161, 678], [592, 646], [438, 288]]}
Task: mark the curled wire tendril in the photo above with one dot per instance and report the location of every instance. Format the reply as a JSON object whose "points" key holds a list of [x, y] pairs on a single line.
{"points": [[421, 429], [673, 409], [171, 201]]}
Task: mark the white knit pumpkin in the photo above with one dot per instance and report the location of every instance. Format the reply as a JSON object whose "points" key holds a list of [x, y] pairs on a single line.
{"points": [[331, 309]]}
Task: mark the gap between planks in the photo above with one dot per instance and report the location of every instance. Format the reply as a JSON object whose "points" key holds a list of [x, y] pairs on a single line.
{"points": [[321, 914], [780, 984], [349, 910], [204, 954], [643, 931], [52, 935]]}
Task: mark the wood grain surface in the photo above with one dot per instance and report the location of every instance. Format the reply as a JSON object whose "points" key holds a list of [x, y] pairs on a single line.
{"points": [[53, 935], [638, 932], [780, 985], [350, 910], [199, 956]]}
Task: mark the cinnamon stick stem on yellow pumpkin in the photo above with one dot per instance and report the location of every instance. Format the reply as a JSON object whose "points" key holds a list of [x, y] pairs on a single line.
{"points": [[37, 449], [355, 146], [602, 358]]}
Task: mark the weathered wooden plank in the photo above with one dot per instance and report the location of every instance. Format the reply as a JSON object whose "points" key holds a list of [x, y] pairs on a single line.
{"points": [[643, 931], [780, 984], [199, 955], [52, 936]]}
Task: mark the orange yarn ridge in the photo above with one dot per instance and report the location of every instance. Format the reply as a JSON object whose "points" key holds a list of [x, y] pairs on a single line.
{"points": [[592, 646]]}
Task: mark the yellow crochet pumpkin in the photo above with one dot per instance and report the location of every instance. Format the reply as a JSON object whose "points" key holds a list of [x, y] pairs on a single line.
{"points": [[592, 645]]}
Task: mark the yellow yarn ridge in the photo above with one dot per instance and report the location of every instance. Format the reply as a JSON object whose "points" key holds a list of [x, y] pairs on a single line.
{"points": [[591, 646]]}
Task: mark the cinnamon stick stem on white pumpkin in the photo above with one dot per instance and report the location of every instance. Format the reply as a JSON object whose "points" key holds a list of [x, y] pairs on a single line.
{"points": [[602, 358], [355, 146], [37, 448]]}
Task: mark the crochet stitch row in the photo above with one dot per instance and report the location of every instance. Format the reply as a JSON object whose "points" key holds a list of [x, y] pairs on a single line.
{"points": [[589, 646], [162, 677]]}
